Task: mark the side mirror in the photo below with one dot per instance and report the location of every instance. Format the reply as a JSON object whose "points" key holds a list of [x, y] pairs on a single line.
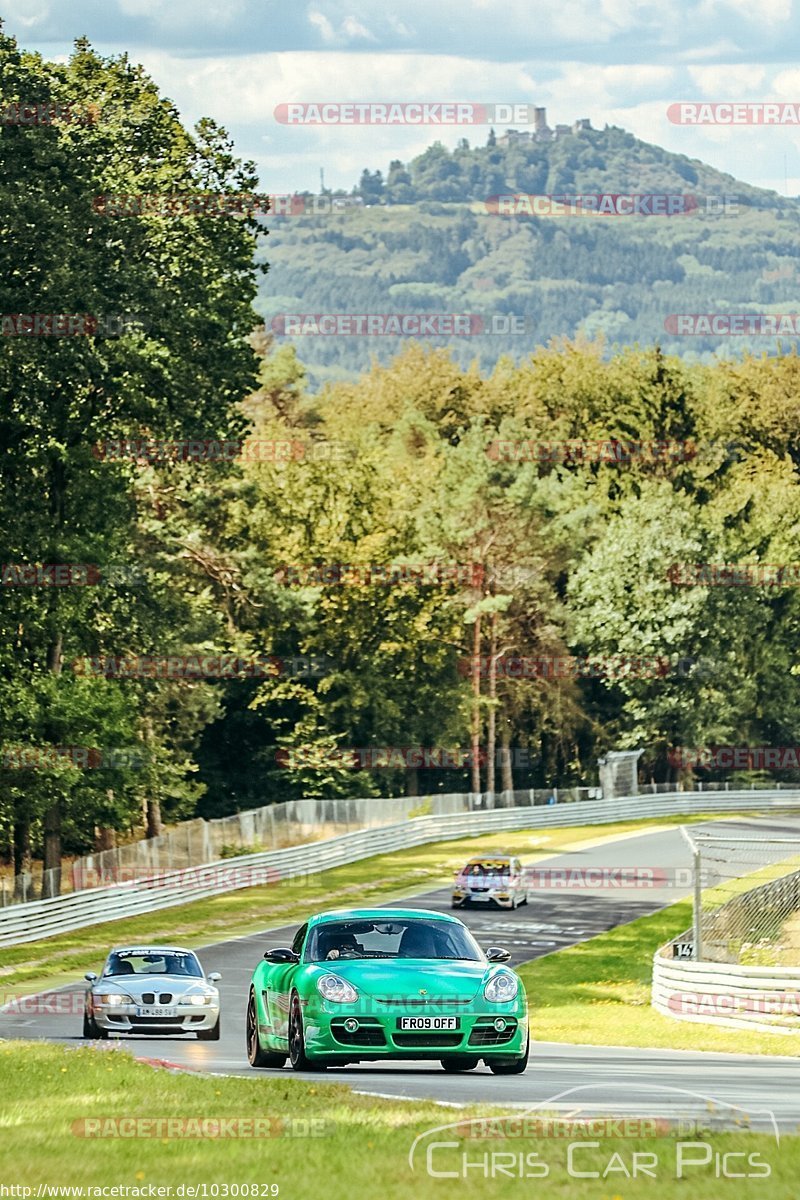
{"points": [[214, 977], [498, 954], [281, 954], [90, 977]]}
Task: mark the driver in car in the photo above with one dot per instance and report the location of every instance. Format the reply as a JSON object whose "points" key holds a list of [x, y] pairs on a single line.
{"points": [[345, 945]]}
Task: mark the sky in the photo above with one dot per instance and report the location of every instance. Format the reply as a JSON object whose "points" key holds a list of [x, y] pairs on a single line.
{"points": [[617, 62]]}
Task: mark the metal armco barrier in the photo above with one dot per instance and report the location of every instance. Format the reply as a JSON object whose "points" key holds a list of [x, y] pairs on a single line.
{"points": [[44, 918], [766, 999]]}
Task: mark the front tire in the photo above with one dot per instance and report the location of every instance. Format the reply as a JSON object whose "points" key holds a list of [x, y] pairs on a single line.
{"points": [[92, 1030], [209, 1035], [517, 1067], [459, 1062], [297, 1046], [256, 1056]]}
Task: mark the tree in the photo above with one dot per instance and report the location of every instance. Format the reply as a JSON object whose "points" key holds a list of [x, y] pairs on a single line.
{"points": [[371, 186], [191, 278]]}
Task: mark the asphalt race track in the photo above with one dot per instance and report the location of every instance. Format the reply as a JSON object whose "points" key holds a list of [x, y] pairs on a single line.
{"points": [[573, 1078]]}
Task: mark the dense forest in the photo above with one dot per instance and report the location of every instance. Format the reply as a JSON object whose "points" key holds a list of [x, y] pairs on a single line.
{"points": [[231, 627], [430, 242], [582, 160]]}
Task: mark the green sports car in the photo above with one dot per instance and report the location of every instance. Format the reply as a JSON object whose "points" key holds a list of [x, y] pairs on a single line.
{"points": [[386, 983]]}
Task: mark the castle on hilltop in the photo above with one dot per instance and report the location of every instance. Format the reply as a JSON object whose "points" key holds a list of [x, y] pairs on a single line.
{"points": [[541, 130]]}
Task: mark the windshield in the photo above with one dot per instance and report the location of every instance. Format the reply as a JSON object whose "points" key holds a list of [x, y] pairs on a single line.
{"points": [[145, 962], [486, 868], [404, 938]]}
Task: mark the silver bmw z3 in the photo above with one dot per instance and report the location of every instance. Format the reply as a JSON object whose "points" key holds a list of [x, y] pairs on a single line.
{"points": [[152, 989]]}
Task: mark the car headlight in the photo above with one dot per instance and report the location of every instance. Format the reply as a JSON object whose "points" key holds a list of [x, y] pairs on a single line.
{"points": [[112, 999], [196, 1000], [333, 987], [502, 986]]}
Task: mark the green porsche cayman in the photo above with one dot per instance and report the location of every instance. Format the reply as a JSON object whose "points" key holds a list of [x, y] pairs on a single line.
{"points": [[393, 983]]}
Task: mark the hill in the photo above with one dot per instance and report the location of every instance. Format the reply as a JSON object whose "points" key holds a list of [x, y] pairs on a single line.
{"points": [[427, 241]]}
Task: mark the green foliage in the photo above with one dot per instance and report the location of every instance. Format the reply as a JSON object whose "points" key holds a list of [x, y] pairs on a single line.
{"points": [[546, 558], [432, 245], [175, 374]]}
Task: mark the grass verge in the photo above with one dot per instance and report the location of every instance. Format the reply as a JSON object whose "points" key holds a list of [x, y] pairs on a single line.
{"points": [[361, 1149], [598, 993], [57, 960]]}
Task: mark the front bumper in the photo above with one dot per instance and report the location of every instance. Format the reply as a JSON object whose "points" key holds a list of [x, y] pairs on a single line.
{"points": [[378, 1034], [124, 1019], [502, 897]]}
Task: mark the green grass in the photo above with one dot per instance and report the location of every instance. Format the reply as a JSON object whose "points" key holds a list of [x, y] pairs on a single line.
{"points": [[57, 960], [598, 993], [362, 1150]]}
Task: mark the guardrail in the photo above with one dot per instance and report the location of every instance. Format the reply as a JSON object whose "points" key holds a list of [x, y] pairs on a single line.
{"points": [[765, 999], [43, 918], [272, 827]]}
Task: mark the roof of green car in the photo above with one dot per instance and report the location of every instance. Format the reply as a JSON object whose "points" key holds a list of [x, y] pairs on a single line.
{"points": [[381, 914]]}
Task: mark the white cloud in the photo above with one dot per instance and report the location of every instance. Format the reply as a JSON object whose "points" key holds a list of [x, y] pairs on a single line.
{"points": [[321, 23], [730, 81], [786, 85], [243, 93], [183, 14], [774, 13], [599, 91], [263, 81], [723, 50], [354, 29], [350, 29], [34, 14], [399, 27]]}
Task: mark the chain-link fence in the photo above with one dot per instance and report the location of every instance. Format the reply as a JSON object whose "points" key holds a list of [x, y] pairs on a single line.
{"points": [[272, 827], [746, 899], [195, 843]]}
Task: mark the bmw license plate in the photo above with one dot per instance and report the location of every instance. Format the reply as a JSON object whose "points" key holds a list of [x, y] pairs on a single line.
{"points": [[149, 1011], [425, 1024]]}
